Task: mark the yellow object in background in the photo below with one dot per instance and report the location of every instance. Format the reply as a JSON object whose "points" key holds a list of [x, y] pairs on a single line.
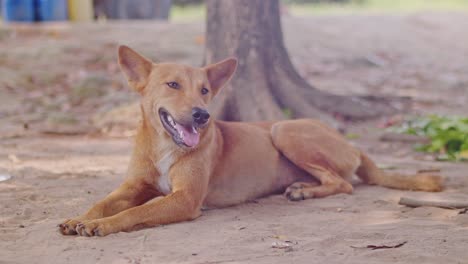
{"points": [[80, 10]]}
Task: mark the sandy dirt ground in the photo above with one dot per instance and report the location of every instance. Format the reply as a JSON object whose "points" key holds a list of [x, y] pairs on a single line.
{"points": [[58, 176]]}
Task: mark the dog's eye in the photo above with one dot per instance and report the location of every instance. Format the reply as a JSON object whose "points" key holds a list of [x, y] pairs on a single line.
{"points": [[173, 85], [204, 91]]}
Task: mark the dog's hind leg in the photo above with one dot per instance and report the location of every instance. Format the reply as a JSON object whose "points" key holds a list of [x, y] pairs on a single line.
{"points": [[321, 152], [330, 184]]}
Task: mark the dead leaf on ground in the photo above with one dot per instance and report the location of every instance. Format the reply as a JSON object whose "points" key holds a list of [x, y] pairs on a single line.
{"points": [[280, 237], [13, 158], [200, 40], [374, 247], [286, 245]]}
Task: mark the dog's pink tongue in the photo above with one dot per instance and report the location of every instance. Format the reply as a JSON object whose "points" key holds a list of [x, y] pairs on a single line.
{"points": [[189, 137]]}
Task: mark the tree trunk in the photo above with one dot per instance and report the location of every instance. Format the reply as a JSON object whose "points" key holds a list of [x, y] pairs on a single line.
{"points": [[266, 86]]}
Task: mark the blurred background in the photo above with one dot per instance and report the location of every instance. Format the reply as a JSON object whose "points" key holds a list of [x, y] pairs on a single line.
{"points": [[59, 72], [59, 56]]}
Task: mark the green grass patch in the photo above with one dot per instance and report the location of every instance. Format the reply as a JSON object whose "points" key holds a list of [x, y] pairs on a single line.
{"points": [[352, 136], [288, 113], [188, 13], [448, 135]]}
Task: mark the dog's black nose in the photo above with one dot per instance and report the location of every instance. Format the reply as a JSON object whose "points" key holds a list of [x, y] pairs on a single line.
{"points": [[200, 116]]}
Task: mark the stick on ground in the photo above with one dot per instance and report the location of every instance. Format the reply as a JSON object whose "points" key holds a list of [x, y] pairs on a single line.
{"points": [[411, 202]]}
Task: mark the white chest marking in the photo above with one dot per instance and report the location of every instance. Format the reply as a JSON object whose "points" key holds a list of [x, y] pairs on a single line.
{"points": [[163, 165]]}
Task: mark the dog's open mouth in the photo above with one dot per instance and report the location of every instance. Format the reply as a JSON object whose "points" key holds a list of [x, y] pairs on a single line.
{"points": [[182, 135]]}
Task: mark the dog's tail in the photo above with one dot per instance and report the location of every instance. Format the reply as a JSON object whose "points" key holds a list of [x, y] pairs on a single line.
{"points": [[371, 174]]}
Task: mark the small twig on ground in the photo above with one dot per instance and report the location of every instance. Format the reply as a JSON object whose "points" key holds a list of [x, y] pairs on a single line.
{"points": [[411, 202], [374, 247], [429, 170], [392, 137]]}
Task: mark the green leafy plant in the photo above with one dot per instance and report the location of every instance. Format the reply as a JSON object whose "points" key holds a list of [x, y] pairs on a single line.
{"points": [[448, 135]]}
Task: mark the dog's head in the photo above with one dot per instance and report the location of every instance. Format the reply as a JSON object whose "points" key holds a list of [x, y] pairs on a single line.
{"points": [[175, 97]]}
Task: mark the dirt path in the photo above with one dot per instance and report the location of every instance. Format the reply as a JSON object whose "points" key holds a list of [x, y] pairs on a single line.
{"points": [[56, 177]]}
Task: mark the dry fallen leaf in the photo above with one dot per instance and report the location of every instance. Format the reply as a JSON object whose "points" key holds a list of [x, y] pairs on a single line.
{"points": [[280, 237], [287, 245], [200, 40], [13, 158], [281, 245]]}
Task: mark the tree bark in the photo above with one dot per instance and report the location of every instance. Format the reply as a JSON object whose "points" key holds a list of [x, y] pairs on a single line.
{"points": [[266, 85]]}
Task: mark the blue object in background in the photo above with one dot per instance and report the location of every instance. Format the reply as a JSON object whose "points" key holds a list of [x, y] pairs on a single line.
{"points": [[51, 10], [18, 10]]}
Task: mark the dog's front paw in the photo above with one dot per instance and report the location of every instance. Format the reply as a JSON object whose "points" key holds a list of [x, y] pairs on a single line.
{"points": [[68, 227], [97, 227]]}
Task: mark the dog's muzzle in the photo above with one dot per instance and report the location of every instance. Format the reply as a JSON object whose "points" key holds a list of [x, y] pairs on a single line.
{"points": [[200, 116]]}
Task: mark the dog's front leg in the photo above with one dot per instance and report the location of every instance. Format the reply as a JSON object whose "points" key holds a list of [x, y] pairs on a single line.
{"points": [[131, 193], [137, 189], [189, 187], [176, 207]]}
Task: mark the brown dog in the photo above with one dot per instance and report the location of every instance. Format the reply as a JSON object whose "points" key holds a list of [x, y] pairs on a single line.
{"points": [[187, 161]]}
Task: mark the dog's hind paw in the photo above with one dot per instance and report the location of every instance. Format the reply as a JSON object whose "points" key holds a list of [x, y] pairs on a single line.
{"points": [[295, 192]]}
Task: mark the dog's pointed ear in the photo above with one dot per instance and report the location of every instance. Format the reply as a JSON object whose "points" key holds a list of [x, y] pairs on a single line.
{"points": [[135, 67], [220, 73]]}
